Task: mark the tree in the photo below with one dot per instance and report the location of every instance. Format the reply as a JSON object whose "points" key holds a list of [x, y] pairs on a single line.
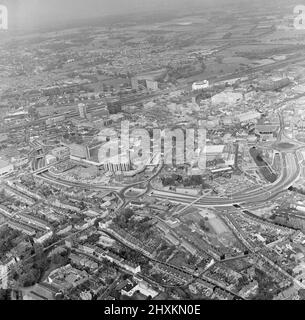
{"points": [[301, 294], [164, 246], [191, 260], [4, 294], [60, 258], [203, 226]]}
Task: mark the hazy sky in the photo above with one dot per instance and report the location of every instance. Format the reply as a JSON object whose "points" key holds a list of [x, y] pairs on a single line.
{"points": [[33, 12], [38, 12]]}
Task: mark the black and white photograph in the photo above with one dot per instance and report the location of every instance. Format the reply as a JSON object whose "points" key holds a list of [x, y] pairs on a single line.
{"points": [[152, 153]]}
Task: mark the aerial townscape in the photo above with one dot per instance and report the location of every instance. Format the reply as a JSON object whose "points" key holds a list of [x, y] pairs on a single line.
{"points": [[157, 155]]}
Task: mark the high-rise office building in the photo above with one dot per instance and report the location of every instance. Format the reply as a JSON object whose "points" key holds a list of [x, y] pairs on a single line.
{"points": [[82, 108]]}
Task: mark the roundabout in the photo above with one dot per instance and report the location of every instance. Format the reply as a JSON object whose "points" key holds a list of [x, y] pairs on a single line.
{"points": [[291, 164]]}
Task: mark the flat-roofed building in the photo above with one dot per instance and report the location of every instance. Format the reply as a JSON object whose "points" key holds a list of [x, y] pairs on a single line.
{"points": [[248, 116], [40, 292]]}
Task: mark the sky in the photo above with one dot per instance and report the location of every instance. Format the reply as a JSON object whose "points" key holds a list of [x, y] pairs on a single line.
{"points": [[38, 12], [24, 13]]}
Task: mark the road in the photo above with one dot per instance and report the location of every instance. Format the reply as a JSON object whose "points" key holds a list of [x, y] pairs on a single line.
{"points": [[291, 170], [192, 274], [131, 100]]}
